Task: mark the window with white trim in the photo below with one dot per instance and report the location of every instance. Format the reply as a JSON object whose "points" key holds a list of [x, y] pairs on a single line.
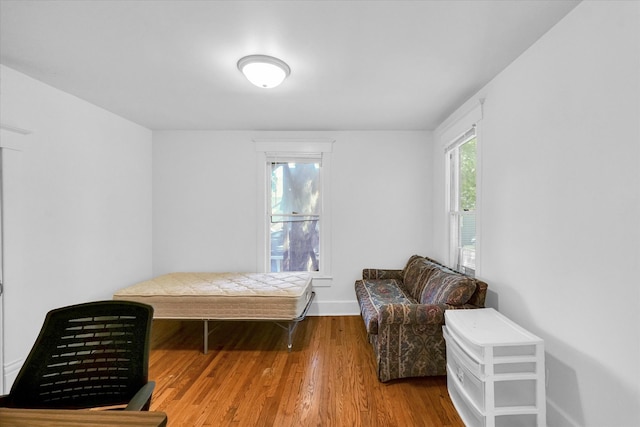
{"points": [[461, 157], [294, 234]]}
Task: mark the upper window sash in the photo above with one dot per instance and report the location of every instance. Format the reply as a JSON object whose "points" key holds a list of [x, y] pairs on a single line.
{"points": [[453, 154], [462, 139], [298, 212]]}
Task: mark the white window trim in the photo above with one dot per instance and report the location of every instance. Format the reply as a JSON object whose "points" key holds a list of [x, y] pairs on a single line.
{"points": [[448, 134], [267, 148]]}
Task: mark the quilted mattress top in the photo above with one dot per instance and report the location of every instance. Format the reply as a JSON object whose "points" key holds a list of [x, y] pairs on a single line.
{"points": [[288, 284]]}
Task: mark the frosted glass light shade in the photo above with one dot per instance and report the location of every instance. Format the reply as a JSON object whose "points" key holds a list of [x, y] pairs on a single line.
{"points": [[264, 71]]}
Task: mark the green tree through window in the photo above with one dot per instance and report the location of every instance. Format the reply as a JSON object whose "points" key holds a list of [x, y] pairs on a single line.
{"points": [[468, 176]]}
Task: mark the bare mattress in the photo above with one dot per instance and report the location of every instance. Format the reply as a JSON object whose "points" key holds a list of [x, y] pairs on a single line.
{"points": [[246, 296]]}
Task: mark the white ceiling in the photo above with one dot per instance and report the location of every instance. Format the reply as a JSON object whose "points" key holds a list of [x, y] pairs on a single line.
{"points": [[355, 65]]}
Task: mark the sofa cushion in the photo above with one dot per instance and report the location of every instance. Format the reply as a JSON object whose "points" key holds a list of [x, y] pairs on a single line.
{"points": [[374, 293], [445, 287], [416, 274], [412, 261]]}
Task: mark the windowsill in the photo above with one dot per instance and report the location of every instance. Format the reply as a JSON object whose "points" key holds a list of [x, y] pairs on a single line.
{"points": [[322, 281]]}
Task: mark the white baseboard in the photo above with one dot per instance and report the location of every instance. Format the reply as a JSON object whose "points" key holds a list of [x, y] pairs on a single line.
{"points": [[334, 308], [555, 414]]}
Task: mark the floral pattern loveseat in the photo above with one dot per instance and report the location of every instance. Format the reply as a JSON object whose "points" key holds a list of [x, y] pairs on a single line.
{"points": [[403, 312]]}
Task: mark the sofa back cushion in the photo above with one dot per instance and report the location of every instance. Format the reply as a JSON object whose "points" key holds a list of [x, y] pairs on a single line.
{"points": [[430, 282], [447, 288], [415, 275]]}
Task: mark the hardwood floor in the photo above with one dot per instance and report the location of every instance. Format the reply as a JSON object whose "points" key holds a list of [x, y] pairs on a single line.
{"points": [[249, 379]]}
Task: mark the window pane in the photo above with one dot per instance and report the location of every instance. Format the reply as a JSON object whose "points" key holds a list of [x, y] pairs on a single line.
{"points": [[467, 257], [467, 165], [295, 188], [295, 244]]}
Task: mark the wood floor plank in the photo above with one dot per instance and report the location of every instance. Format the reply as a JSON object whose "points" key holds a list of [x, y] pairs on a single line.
{"points": [[248, 378]]}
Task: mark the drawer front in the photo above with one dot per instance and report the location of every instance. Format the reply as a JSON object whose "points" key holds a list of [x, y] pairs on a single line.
{"points": [[472, 418], [453, 348], [475, 351], [467, 382], [469, 415], [520, 420]]}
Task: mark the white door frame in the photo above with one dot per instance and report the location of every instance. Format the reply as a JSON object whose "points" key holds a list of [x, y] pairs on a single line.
{"points": [[11, 138]]}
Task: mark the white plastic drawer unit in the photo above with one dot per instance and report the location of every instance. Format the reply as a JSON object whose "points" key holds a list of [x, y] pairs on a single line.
{"points": [[495, 369]]}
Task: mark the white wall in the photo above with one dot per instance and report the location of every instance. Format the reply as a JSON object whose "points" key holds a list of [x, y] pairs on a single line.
{"points": [[84, 228], [561, 206], [206, 218]]}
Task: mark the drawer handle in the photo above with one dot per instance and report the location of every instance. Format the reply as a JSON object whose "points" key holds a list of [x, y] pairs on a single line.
{"points": [[460, 375]]}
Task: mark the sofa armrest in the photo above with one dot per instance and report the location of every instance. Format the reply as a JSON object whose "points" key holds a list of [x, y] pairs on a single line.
{"points": [[478, 298], [417, 314], [377, 273], [410, 342]]}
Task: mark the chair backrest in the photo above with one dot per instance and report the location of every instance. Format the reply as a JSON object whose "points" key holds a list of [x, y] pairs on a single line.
{"points": [[87, 355]]}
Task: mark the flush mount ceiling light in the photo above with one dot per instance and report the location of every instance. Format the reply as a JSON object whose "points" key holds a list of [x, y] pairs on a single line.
{"points": [[264, 71]]}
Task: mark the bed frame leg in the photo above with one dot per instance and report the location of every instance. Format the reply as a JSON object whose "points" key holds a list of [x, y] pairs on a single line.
{"points": [[292, 327]]}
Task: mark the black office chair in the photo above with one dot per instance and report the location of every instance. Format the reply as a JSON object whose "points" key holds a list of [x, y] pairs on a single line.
{"points": [[88, 355]]}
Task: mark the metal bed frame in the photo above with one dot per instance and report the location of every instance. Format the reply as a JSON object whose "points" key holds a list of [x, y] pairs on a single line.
{"points": [[289, 326]]}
